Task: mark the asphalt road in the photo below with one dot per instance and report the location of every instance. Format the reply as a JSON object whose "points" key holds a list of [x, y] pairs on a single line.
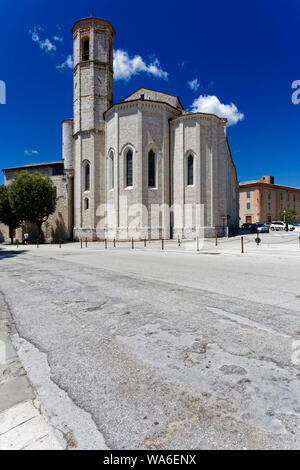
{"points": [[162, 350]]}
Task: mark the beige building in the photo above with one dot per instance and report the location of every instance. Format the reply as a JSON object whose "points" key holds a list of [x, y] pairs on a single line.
{"points": [[262, 200], [143, 167], [59, 226]]}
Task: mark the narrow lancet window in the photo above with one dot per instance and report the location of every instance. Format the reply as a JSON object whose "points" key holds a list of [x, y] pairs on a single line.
{"points": [[151, 170], [190, 170], [112, 170], [87, 177], [129, 168], [85, 49]]}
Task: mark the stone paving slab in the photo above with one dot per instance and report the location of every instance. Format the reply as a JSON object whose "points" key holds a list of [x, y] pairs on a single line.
{"points": [[17, 415], [15, 391], [26, 434], [22, 426]]}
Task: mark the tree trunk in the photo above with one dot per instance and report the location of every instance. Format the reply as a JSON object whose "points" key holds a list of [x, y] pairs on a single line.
{"points": [[41, 233], [11, 235]]}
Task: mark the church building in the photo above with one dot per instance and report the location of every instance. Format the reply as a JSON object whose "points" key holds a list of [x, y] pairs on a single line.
{"points": [[143, 167]]}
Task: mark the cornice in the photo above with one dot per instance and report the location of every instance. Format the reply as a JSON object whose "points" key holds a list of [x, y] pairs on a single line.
{"points": [[141, 103], [94, 22], [96, 63], [260, 184], [203, 116]]}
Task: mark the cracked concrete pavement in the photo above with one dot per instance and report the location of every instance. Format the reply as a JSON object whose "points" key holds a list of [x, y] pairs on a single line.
{"points": [[23, 425], [151, 350]]}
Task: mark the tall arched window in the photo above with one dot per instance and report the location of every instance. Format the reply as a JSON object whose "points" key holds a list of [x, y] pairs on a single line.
{"points": [[151, 169], [190, 170], [87, 177], [111, 171], [85, 49], [129, 168]]}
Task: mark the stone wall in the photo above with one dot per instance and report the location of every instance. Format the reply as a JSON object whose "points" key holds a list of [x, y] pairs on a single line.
{"points": [[215, 189], [93, 94], [140, 127], [60, 224]]}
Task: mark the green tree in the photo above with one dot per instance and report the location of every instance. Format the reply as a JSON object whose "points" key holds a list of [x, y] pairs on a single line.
{"points": [[7, 214], [33, 198], [289, 215]]}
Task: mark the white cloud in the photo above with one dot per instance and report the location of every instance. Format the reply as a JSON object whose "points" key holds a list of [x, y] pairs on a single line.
{"points": [[58, 39], [125, 67], [194, 84], [67, 64], [29, 153], [211, 104], [45, 45]]}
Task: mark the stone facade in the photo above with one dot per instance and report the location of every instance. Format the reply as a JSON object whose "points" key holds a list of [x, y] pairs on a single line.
{"points": [[145, 121], [59, 226], [143, 167], [262, 200]]}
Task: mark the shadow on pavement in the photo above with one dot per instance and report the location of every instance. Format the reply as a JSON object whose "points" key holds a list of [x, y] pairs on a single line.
{"points": [[10, 253]]}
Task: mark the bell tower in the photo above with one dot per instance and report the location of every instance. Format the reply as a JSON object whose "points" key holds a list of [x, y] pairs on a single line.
{"points": [[92, 96]]}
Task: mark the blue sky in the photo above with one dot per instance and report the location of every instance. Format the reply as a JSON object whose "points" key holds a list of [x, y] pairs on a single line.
{"points": [[240, 53]]}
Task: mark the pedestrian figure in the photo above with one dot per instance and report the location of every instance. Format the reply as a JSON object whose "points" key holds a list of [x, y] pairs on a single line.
{"points": [[25, 238], [286, 227]]}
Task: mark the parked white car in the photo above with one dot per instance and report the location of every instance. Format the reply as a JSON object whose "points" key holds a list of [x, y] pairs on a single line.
{"points": [[279, 225]]}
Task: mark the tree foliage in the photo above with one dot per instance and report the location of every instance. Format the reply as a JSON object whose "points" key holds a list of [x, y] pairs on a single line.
{"points": [[33, 198], [7, 214], [288, 215]]}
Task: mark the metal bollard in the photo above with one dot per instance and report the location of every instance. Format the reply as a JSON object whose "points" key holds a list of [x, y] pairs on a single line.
{"points": [[242, 244], [216, 239], [198, 248], [162, 244], [145, 242], [80, 242], [86, 242], [105, 243], [132, 243], [114, 243]]}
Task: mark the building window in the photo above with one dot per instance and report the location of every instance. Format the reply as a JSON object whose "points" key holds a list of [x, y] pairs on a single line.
{"points": [[248, 205], [248, 195], [281, 196], [111, 170], [57, 170], [129, 168], [87, 177], [85, 49], [190, 170], [86, 203], [151, 169], [269, 196]]}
